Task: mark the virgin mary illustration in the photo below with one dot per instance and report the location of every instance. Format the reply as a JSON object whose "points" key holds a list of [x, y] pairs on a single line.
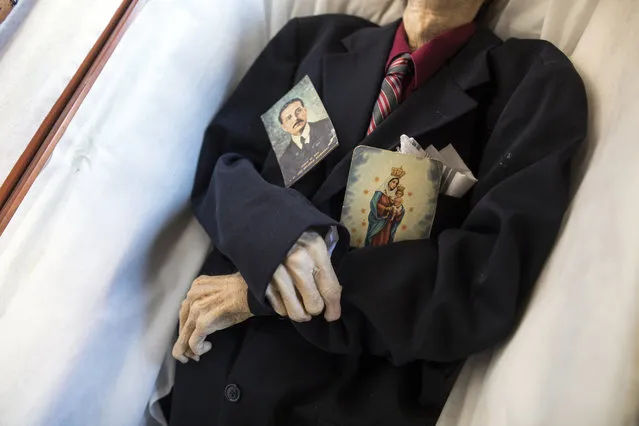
{"points": [[387, 210]]}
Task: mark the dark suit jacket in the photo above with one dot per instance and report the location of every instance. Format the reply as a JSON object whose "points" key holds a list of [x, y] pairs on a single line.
{"points": [[293, 158], [515, 111]]}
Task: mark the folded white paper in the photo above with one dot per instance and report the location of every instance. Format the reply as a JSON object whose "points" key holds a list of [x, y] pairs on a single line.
{"points": [[457, 179]]}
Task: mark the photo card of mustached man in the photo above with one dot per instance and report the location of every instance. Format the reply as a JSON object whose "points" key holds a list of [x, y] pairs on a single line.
{"points": [[300, 131], [390, 197]]}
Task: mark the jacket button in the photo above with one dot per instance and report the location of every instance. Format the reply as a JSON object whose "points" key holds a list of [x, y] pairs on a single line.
{"points": [[232, 393]]}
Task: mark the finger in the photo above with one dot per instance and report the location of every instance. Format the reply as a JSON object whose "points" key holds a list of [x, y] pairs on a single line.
{"points": [[300, 266], [325, 279], [184, 314], [205, 324], [275, 299], [203, 328], [178, 352], [187, 330], [189, 353], [284, 284], [189, 309], [198, 345], [206, 347], [198, 287], [183, 354], [212, 320], [220, 318], [331, 292]]}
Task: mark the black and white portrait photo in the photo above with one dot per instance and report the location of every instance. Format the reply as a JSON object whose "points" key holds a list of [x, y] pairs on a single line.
{"points": [[300, 131]]}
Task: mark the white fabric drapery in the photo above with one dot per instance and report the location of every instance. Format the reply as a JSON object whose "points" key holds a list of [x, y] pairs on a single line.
{"points": [[574, 360], [97, 258]]}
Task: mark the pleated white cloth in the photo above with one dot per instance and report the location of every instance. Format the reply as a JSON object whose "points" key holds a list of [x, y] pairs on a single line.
{"points": [[99, 255], [574, 360]]}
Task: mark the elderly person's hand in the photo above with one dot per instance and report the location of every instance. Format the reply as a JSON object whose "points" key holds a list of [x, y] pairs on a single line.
{"points": [[306, 284], [212, 304], [303, 286]]}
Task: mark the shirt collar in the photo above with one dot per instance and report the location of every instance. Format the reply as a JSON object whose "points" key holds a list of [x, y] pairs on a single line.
{"points": [[305, 133], [430, 57]]}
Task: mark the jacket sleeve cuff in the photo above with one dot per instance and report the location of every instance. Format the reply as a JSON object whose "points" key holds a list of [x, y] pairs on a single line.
{"points": [[257, 223], [269, 248]]}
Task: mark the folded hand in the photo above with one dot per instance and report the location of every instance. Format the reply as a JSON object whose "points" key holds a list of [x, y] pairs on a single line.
{"points": [[303, 286], [212, 304], [306, 284]]}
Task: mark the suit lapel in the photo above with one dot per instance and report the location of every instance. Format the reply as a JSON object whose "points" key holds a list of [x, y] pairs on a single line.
{"points": [[351, 81], [439, 101]]}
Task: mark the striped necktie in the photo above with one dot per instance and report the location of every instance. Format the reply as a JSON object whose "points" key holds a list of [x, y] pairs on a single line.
{"points": [[391, 94]]}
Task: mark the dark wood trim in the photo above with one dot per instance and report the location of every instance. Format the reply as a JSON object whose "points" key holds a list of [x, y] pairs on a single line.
{"points": [[39, 149]]}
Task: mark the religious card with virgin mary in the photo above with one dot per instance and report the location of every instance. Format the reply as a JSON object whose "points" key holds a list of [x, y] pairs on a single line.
{"points": [[390, 197]]}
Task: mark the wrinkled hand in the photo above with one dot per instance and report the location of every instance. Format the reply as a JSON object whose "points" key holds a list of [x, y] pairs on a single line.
{"points": [[305, 284], [212, 304]]}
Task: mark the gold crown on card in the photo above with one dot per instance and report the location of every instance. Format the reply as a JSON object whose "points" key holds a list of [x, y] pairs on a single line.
{"points": [[400, 188], [398, 172]]}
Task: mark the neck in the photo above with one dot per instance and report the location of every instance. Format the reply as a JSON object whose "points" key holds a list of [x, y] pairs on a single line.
{"points": [[426, 19]]}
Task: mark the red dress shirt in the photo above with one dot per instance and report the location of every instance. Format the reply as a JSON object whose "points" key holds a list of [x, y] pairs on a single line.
{"points": [[430, 57]]}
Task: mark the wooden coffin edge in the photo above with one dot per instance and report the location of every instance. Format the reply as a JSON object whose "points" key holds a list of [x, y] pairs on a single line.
{"points": [[38, 151]]}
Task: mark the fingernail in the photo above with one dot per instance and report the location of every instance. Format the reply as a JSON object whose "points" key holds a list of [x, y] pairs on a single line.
{"points": [[202, 348]]}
